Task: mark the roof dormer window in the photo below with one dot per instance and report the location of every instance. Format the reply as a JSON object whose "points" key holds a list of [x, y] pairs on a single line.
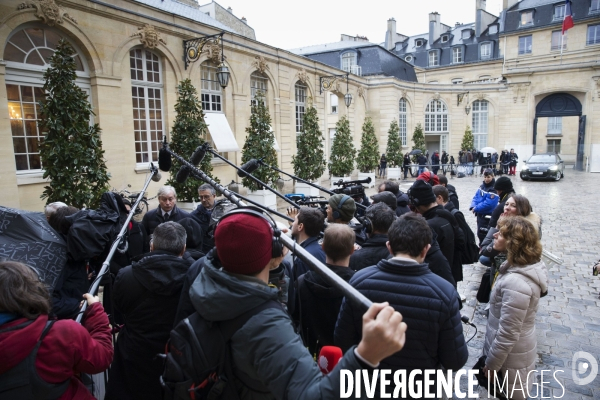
{"points": [[445, 38], [408, 58], [419, 43], [466, 34], [527, 18], [595, 6], [493, 29], [559, 12]]}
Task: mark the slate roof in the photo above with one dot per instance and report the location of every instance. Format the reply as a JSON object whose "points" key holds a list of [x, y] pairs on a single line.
{"points": [[543, 14], [320, 48], [184, 10]]}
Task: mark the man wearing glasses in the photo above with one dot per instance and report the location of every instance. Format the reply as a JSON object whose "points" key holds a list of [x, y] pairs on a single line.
{"points": [[202, 213]]}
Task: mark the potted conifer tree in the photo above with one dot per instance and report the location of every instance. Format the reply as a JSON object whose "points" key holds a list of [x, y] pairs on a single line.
{"points": [[393, 151], [260, 145], [468, 141], [368, 155], [341, 159], [71, 153], [189, 132], [309, 161]]}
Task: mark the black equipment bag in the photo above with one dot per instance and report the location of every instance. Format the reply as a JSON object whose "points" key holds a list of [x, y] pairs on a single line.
{"points": [[198, 361], [485, 287], [23, 381], [470, 252]]}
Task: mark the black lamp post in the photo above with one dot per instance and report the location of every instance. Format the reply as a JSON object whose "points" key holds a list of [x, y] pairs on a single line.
{"points": [[192, 49]]}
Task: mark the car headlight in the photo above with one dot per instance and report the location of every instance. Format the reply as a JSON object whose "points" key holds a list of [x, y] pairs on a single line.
{"points": [[553, 168], [524, 168]]}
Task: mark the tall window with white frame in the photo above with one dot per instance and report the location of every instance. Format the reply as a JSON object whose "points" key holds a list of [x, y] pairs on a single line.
{"points": [[433, 59], [593, 34], [334, 100], [486, 51], [480, 123], [558, 39], [554, 125], [27, 54], [146, 97], [402, 120], [595, 6], [211, 92], [457, 55], [348, 60], [525, 44], [258, 83], [559, 12], [300, 94], [436, 117]]}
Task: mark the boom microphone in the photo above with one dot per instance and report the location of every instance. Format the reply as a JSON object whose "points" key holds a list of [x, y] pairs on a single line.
{"points": [[156, 177], [199, 154], [182, 174], [164, 160], [248, 168], [328, 358]]}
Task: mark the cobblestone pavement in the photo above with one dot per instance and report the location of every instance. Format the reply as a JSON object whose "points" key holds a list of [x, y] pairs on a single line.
{"points": [[568, 319]]}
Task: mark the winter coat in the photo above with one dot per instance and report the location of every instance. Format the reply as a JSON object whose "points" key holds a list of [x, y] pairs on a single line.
{"points": [[513, 158], [443, 230], [406, 160], [510, 338], [154, 218], [402, 203], [202, 216], [69, 288], [147, 294], [435, 159], [452, 196], [68, 349], [267, 352], [422, 160], [444, 158], [372, 251], [429, 306], [314, 293], [438, 264], [484, 202]]}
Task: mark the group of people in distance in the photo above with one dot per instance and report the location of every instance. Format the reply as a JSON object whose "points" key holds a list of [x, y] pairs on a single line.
{"points": [[404, 256]]}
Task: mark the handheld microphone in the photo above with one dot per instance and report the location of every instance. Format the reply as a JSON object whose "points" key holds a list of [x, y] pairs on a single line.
{"points": [[164, 160], [199, 154], [248, 168], [157, 176], [466, 320], [182, 174], [329, 356]]}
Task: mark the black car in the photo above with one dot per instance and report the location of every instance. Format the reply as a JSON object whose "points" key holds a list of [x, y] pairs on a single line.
{"points": [[543, 166]]}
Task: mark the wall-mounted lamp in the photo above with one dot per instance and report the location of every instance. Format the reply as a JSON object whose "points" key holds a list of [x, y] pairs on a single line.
{"points": [[467, 109], [459, 99], [193, 48], [326, 82]]}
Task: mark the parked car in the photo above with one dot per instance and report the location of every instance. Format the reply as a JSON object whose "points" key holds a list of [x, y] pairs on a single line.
{"points": [[543, 166]]}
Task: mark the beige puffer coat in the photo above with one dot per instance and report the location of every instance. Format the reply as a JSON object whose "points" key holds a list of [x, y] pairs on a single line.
{"points": [[510, 338]]}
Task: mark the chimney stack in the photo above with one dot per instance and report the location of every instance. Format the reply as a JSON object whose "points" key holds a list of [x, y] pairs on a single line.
{"points": [[390, 34], [435, 26]]}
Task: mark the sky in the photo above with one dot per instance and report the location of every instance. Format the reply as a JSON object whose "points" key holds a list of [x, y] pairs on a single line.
{"points": [[290, 24]]}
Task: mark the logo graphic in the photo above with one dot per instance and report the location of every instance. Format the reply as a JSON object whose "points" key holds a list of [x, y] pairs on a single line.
{"points": [[581, 368]]}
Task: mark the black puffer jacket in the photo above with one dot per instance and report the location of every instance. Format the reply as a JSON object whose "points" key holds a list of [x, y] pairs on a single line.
{"points": [[428, 305], [314, 293], [147, 294], [373, 251], [443, 230]]}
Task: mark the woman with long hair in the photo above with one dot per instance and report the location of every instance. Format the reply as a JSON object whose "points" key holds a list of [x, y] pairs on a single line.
{"points": [[510, 339], [49, 353]]}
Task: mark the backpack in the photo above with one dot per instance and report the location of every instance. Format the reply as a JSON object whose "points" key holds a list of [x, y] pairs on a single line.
{"points": [[23, 381], [198, 362], [470, 252]]}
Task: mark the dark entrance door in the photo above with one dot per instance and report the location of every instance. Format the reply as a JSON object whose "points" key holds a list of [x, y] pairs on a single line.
{"points": [[562, 105]]}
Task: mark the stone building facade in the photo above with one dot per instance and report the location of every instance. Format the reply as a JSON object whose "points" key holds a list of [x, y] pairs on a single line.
{"points": [[130, 58]]}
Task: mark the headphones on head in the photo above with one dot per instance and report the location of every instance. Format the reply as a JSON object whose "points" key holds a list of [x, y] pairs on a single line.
{"points": [[276, 245], [336, 213]]}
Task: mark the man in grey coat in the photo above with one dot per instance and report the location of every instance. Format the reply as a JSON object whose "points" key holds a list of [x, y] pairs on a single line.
{"points": [[270, 361]]}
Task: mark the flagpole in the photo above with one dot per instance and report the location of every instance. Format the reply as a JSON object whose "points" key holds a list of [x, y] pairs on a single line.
{"points": [[562, 37]]}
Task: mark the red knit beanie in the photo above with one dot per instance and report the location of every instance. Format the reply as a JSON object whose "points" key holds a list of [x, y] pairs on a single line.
{"points": [[244, 243]]}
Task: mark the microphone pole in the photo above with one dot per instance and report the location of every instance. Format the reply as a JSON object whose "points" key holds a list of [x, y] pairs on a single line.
{"points": [[255, 179], [327, 274], [94, 288], [294, 177]]}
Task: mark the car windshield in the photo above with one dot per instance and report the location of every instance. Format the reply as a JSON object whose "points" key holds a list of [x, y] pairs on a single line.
{"points": [[542, 158]]}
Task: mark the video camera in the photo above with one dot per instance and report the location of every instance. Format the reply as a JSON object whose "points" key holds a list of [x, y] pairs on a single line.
{"points": [[351, 188]]}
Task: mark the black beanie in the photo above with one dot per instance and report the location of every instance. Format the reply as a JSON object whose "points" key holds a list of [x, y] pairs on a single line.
{"points": [[504, 184], [423, 192]]}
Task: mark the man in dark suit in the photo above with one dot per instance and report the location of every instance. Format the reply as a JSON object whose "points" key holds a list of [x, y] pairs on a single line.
{"points": [[167, 210]]}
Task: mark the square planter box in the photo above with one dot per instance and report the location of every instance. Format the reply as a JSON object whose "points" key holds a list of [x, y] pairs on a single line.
{"points": [[187, 206], [394, 173], [264, 197], [307, 190], [336, 179], [365, 175]]}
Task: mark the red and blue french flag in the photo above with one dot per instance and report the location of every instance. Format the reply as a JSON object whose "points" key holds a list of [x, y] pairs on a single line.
{"points": [[568, 20]]}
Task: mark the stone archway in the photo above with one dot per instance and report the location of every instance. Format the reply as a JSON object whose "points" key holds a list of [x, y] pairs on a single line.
{"points": [[562, 105]]}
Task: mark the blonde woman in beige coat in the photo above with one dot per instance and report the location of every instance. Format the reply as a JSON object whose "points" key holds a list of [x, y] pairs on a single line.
{"points": [[510, 339]]}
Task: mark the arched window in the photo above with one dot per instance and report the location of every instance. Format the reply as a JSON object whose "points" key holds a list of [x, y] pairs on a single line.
{"points": [[258, 83], [27, 55], [211, 89], [300, 90], [402, 120], [480, 123], [436, 116], [146, 97]]}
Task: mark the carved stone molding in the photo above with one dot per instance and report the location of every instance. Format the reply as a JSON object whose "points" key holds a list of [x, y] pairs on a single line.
{"points": [[260, 63], [403, 94], [436, 96], [480, 96], [362, 92], [303, 76], [48, 11], [213, 51], [149, 37]]}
